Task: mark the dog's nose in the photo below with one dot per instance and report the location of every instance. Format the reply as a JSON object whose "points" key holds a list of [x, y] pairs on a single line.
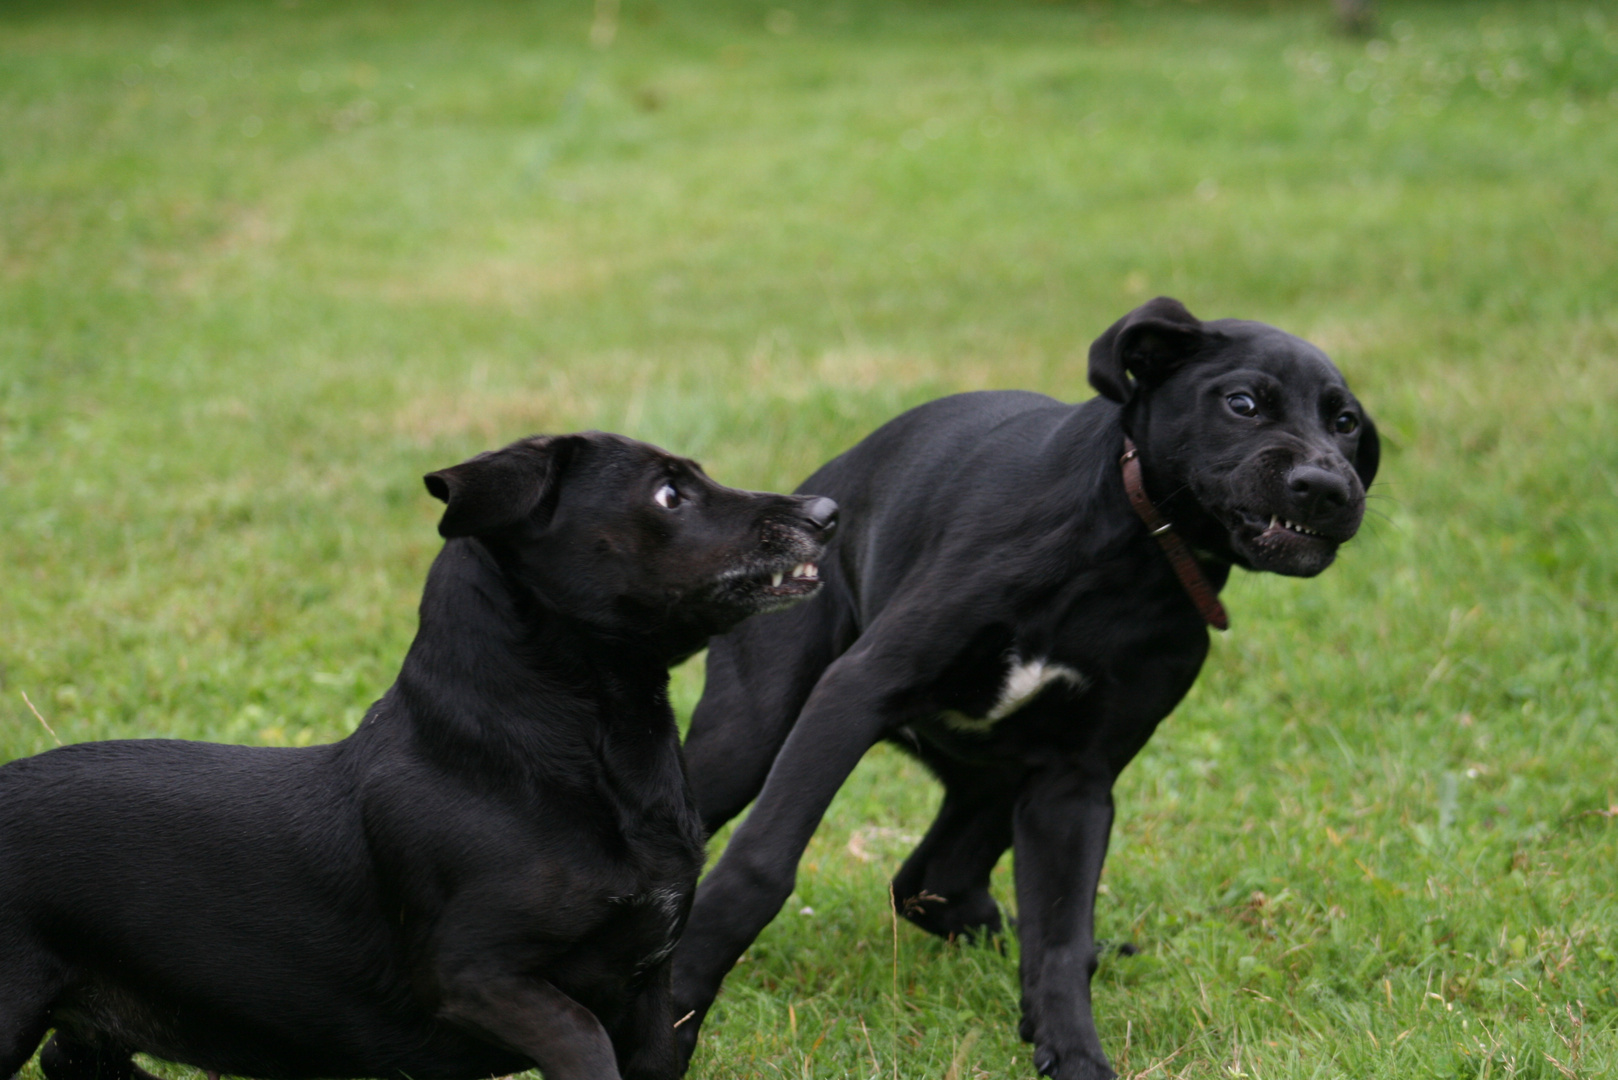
{"points": [[1317, 491], [822, 514]]}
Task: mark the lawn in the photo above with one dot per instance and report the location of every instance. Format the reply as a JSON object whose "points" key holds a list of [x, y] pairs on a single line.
{"points": [[264, 264]]}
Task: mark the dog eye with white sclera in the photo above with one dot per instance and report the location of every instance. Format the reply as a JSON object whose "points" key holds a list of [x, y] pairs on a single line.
{"points": [[1242, 404], [1346, 424], [667, 497]]}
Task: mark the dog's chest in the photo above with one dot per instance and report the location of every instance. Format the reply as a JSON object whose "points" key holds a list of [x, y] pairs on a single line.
{"points": [[664, 844], [1021, 681], [652, 920]]}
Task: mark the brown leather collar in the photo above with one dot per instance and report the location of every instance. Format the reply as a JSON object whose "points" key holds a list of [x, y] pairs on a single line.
{"points": [[1185, 564]]}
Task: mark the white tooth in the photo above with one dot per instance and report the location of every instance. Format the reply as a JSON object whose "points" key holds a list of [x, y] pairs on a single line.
{"points": [[1273, 519], [797, 571], [775, 578], [810, 570]]}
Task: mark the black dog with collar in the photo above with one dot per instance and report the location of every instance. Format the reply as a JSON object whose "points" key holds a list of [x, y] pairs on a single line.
{"points": [[489, 875], [998, 609]]}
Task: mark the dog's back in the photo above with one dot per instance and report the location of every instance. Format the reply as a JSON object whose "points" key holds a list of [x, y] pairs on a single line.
{"points": [[256, 856]]}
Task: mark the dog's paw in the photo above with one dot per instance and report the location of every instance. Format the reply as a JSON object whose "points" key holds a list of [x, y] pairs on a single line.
{"points": [[1071, 1064], [972, 917]]}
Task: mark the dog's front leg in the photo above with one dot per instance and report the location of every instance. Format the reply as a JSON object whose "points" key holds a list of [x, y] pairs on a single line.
{"points": [[528, 1015], [846, 714], [645, 1042], [1060, 833]]}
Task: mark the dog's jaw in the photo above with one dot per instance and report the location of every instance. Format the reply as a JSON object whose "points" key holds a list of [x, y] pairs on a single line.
{"points": [[1271, 543], [1248, 517]]}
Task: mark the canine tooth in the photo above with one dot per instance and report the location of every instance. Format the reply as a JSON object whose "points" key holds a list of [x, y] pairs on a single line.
{"points": [[810, 570], [775, 578]]}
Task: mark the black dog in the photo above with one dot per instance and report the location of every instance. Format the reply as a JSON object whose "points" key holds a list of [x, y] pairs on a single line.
{"points": [[488, 875], [998, 609]]}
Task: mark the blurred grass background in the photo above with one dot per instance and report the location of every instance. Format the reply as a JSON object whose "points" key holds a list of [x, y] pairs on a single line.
{"points": [[264, 264]]}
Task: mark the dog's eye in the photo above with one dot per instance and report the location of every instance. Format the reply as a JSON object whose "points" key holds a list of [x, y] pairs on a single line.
{"points": [[667, 497], [1242, 404], [1346, 423]]}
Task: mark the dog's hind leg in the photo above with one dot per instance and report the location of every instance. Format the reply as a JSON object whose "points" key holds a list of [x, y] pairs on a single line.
{"points": [[943, 886], [68, 1057], [759, 675]]}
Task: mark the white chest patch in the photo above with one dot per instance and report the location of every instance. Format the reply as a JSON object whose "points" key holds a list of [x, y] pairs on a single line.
{"points": [[1025, 680]]}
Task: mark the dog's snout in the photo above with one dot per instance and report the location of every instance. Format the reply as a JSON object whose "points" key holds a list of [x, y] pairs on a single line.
{"points": [[822, 514], [1316, 490]]}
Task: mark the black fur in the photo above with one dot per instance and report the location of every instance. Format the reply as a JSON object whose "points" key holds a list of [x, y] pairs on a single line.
{"points": [[487, 876], [989, 531]]}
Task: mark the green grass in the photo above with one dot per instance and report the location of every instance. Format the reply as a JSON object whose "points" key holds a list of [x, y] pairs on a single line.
{"points": [[263, 265]]}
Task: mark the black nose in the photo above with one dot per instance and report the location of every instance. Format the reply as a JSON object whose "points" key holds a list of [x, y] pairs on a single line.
{"points": [[822, 514], [1316, 491]]}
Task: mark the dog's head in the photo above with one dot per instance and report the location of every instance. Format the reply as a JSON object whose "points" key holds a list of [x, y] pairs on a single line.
{"points": [[1251, 443], [633, 542]]}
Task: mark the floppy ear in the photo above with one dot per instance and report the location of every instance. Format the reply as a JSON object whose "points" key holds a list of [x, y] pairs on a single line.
{"points": [[500, 487], [1369, 453], [1147, 343]]}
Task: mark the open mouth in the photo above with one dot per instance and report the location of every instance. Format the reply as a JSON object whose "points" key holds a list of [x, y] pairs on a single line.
{"points": [[1279, 526], [774, 587], [800, 580], [1269, 530], [1280, 545]]}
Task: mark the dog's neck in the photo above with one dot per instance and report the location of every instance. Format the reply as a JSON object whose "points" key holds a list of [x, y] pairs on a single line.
{"points": [[512, 697], [1105, 513], [1186, 565], [488, 666]]}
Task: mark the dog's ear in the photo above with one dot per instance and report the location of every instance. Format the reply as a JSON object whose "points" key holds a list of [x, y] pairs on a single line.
{"points": [[498, 488], [1369, 453], [1147, 343]]}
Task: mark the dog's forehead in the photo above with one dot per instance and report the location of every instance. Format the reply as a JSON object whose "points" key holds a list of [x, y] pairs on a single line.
{"points": [[1291, 359], [615, 452]]}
